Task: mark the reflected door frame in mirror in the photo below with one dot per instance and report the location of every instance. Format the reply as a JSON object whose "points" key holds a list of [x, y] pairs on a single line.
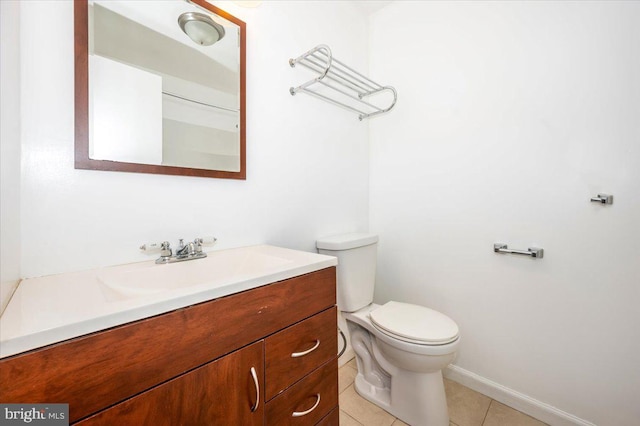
{"points": [[82, 159]]}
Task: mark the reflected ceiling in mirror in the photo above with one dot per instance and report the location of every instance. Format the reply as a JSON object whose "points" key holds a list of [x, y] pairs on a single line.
{"points": [[160, 88]]}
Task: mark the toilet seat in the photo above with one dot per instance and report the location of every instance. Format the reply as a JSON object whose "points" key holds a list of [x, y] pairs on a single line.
{"points": [[414, 324]]}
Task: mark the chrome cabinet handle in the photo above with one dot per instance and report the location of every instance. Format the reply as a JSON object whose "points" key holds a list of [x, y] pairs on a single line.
{"points": [[304, 413], [255, 382], [303, 353]]}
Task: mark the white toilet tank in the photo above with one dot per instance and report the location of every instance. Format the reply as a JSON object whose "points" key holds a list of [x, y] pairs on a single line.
{"points": [[356, 271]]}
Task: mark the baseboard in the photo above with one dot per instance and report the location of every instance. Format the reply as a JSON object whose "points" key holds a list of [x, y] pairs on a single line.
{"points": [[521, 402]]}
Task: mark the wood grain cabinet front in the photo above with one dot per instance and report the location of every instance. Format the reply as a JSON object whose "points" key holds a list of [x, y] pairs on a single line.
{"points": [[308, 401], [331, 419], [228, 391], [298, 350], [190, 366]]}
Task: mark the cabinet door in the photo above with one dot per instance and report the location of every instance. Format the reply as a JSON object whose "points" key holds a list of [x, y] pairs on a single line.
{"points": [[222, 392]]}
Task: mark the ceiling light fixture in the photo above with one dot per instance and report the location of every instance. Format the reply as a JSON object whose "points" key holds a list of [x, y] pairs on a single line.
{"points": [[201, 28]]}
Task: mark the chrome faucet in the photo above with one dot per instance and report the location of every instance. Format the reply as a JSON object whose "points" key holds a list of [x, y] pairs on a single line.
{"points": [[189, 251]]}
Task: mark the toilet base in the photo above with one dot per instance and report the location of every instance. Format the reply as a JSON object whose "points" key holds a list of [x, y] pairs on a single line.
{"points": [[402, 378], [416, 399]]}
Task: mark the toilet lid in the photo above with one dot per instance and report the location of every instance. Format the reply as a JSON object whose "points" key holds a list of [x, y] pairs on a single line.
{"points": [[414, 323]]}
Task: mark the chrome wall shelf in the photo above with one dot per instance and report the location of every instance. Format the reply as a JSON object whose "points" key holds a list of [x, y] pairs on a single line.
{"points": [[341, 85]]}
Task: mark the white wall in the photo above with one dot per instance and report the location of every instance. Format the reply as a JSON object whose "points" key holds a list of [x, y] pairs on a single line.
{"points": [[307, 161], [511, 115], [10, 145]]}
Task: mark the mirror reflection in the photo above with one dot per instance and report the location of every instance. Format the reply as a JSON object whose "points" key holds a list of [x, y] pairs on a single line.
{"points": [[164, 85]]}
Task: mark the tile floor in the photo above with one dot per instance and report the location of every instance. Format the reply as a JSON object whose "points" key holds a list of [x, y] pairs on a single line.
{"points": [[466, 407]]}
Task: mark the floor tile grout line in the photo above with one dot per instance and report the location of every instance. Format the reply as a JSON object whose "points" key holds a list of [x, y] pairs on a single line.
{"points": [[343, 390], [487, 413], [351, 417]]}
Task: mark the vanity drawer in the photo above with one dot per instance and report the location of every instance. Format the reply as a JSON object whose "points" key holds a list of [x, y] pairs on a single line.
{"points": [[311, 399], [297, 350]]}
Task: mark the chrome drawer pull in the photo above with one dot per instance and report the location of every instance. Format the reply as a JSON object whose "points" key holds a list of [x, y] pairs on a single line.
{"points": [[299, 354], [255, 382], [304, 413]]}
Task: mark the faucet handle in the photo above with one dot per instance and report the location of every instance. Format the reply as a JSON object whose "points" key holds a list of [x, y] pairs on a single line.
{"points": [[207, 240], [164, 248], [152, 247], [199, 242]]}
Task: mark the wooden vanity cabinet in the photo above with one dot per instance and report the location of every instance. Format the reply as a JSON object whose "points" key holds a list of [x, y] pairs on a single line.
{"points": [[192, 366]]}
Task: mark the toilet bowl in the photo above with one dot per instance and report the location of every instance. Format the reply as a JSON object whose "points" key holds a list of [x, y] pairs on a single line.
{"points": [[399, 374], [400, 348]]}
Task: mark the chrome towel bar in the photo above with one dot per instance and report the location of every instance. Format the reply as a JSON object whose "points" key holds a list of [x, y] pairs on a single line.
{"points": [[531, 251]]}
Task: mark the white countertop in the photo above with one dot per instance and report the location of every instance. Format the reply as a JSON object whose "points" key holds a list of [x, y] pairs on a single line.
{"points": [[54, 308]]}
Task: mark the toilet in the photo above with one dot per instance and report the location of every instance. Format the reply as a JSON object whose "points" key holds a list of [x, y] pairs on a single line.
{"points": [[400, 348]]}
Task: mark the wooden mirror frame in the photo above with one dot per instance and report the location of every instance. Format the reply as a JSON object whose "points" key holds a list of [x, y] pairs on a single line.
{"points": [[82, 160]]}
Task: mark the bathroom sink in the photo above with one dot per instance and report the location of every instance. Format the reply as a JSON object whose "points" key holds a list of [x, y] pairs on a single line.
{"points": [[53, 308], [216, 270]]}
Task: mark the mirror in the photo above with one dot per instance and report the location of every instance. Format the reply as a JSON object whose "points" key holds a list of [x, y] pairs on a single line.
{"points": [[159, 88]]}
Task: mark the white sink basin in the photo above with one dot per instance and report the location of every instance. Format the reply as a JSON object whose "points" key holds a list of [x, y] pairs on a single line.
{"points": [[217, 269], [50, 309]]}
